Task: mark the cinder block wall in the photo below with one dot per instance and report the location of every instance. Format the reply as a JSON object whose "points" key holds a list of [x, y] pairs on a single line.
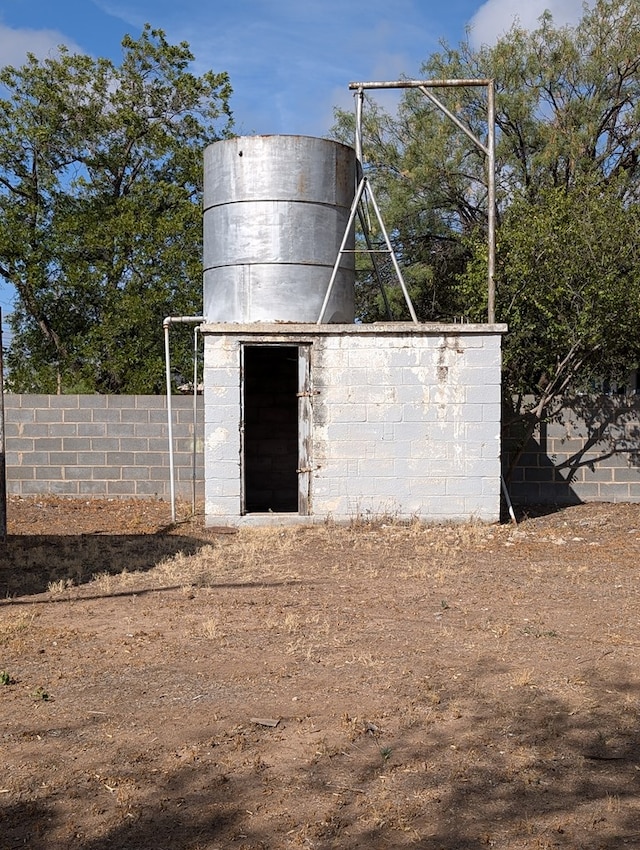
{"points": [[590, 452], [99, 445], [405, 419]]}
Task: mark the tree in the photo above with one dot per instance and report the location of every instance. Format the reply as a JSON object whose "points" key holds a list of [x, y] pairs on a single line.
{"points": [[100, 214], [568, 177]]}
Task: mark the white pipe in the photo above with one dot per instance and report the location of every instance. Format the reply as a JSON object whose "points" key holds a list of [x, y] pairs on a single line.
{"points": [[166, 324], [512, 514], [195, 418]]}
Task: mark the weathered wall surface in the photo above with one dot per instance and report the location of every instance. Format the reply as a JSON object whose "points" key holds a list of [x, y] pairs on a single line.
{"points": [[590, 452], [98, 445], [404, 422], [111, 446]]}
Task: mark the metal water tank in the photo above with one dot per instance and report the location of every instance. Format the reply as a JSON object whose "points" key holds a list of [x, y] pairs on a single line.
{"points": [[275, 213]]}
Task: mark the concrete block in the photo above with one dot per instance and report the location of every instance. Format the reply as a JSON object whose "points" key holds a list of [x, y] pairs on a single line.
{"points": [[121, 488], [615, 492], [485, 394], [160, 444], [77, 414], [120, 458], [600, 474], [486, 509], [484, 358], [19, 444], [626, 474], [103, 473], [49, 444], [46, 414], [422, 488], [225, 395], [107, 415], [92, 458], [219, 414], [33, 488], [147, 402], [121, 402], [149, 488], [63, 458], [78, 473], [224, 470], [134, 444], [151, 432], [223, 378], [139, 416], [16, 472], [410, 431], [105, 444], [135, 473], [380, 468], [62, 488], [464, 486], [20, 416], [150, 459], [92, 488], [49, 473], [491, 486], [11, 430], [333, 377], [384, 412], [92, 429], [95, 402], [33, 429], [185, 418]]}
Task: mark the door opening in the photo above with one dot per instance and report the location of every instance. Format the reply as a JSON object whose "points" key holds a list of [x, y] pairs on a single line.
{"points": [[270, 429]]}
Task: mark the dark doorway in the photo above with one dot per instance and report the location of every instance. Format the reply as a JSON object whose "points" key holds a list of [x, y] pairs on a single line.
{"points": [[270, 420]]}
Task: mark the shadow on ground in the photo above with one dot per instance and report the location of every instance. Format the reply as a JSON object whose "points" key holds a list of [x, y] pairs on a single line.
{"points": [[524, 771], [31, 563]]}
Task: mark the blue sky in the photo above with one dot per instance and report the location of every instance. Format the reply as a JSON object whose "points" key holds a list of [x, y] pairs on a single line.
{"points": [[290, 61]]}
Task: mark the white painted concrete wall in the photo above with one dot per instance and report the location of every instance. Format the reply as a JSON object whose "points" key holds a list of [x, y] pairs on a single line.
{"points": [[406, 419]]}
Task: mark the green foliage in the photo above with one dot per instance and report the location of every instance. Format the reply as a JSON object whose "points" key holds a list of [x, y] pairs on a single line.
{"points": [[568, 185], [100, 212], [569, 267]]}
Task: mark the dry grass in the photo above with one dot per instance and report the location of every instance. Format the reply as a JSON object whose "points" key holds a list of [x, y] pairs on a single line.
{"points": [[367, 686]]}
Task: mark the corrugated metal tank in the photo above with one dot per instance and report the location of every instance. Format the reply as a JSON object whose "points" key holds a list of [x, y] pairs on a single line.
{"points": [[275, 213]]}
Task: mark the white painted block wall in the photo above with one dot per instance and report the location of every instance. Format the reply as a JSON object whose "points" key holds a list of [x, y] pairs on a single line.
{"points": [[406, 419]]}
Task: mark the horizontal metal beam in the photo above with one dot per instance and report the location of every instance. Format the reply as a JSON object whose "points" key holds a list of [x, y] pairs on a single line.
{"points": [[414, 84]]}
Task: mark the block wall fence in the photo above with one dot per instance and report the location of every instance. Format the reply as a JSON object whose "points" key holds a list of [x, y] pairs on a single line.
{"points": [[100, 445], [589, 452], [110, 446]]}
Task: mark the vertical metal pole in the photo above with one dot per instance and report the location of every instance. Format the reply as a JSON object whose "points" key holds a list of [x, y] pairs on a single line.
{"points": [[359, 100], [167, 359], [3, 466], [170, 320], [195, 417], [491, 200]]}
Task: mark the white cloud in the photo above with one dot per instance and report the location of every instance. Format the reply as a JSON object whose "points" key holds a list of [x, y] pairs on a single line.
{"points": [[496, 17], [16, 43]]}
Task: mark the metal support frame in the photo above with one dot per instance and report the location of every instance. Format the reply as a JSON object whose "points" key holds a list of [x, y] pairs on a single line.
{"points": [[488, 149], [166, 324]]}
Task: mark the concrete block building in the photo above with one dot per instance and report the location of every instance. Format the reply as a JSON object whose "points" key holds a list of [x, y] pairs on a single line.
{"points": [[347, 421]]}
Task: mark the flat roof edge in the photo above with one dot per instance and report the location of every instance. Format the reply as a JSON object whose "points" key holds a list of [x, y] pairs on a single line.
{"points": [[369, 328]]}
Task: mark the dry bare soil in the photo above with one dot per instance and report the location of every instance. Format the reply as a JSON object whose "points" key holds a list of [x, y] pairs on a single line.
{"points": [[171, 687]]}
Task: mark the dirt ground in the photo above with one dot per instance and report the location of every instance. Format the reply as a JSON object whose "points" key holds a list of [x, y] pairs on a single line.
{"points": [[373, 686]]}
